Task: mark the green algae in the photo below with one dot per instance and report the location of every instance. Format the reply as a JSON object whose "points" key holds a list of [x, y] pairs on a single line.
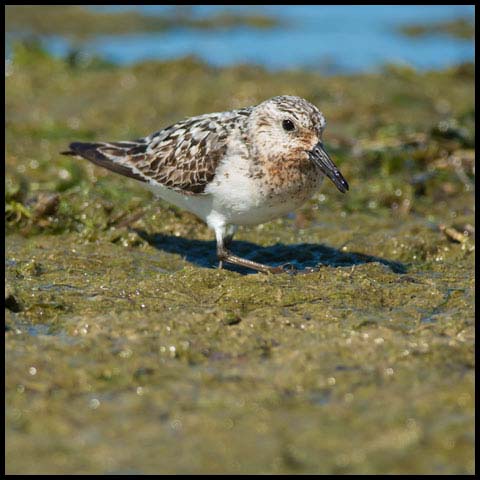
{"points": [[80, 23], [461, 28], [127, 351]]}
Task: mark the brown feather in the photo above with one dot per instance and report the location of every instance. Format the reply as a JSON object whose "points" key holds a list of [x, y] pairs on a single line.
{"points": [[183, 157]]}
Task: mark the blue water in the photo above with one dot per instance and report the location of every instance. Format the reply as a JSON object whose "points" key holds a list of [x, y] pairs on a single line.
{"points": [[327, 38]]}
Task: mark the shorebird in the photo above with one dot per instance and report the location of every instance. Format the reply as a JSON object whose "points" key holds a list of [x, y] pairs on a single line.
{"points": [[241, 167]]}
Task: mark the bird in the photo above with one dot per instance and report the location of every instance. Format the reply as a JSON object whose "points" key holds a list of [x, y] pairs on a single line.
{"points": [[240, 167]]}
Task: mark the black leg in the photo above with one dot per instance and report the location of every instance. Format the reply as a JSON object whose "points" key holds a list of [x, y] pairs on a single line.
{"points": [[225, 255], [227, 241]]}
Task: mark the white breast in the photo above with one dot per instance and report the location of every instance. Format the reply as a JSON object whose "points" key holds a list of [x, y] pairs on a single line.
{"points": [[243, 199]]}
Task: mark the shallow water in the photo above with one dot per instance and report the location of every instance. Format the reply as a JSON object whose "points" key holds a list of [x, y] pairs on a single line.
{"points": [[330, 39]]}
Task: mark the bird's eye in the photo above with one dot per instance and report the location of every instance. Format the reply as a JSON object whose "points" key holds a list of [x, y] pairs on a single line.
{"points": [[288, 125]]}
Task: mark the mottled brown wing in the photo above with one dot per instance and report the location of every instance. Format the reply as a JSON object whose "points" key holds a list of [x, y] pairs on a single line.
{"points": [[183, 157]]}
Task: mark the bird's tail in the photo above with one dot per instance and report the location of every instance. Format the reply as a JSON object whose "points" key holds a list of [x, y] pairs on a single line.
{"points": [[115, 156]]}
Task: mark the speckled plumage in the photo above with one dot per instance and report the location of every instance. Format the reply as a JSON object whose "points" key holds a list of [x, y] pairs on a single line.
{"points": [[183, 156], [241, 167]]}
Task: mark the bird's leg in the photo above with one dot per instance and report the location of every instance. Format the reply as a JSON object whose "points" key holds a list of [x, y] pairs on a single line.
{"points": [[227, 240], [229, 233], [224, 255]]}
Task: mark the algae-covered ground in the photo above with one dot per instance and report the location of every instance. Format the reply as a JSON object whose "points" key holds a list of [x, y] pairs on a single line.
{"points": [[128, 351], [461, 28]]}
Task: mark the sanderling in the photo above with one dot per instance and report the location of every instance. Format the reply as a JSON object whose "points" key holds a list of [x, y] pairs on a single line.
{"points": [[242, 167]]}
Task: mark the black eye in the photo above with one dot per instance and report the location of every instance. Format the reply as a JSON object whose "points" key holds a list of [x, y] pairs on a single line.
{"points": [[288, 125]]}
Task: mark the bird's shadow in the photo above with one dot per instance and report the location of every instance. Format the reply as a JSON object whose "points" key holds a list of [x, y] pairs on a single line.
{"points": [[300, 255]]}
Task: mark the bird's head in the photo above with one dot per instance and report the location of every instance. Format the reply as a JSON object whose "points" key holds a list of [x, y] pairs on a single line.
{"points": [[289, 127]]}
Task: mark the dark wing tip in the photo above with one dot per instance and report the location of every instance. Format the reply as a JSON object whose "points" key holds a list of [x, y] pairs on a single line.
{"points": [[79, 148], [93, 152]]}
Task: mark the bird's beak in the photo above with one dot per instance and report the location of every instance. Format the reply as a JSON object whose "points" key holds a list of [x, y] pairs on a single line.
{"points": [[321, 159]]}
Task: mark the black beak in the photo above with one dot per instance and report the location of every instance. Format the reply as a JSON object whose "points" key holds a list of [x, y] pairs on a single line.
{"points": [[321, 159]]}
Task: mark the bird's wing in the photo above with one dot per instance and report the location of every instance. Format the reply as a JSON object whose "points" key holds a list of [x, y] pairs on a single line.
{"points": [[183, 157]]}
